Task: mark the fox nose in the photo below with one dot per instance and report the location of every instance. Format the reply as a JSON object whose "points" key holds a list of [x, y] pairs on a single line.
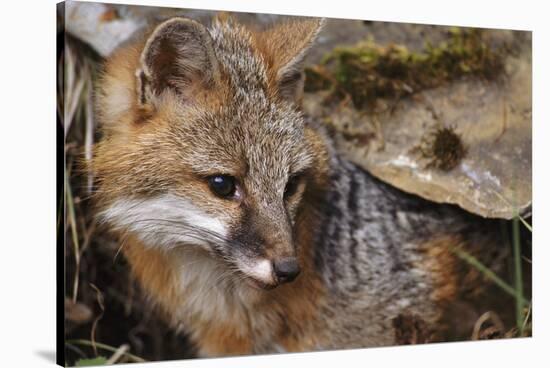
{"points": [[286, 269]]}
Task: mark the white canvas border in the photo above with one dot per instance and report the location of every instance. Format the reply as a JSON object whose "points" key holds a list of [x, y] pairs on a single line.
{"points": [[27, 281]]}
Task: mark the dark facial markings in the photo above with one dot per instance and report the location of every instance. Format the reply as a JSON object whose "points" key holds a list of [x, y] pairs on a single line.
{"points": [[292, 185]]}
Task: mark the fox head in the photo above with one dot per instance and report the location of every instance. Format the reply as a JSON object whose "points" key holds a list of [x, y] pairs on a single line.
{"points": [[204, 146]]}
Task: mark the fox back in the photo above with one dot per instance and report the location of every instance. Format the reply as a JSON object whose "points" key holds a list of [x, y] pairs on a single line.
{"points": [[238, 217]]}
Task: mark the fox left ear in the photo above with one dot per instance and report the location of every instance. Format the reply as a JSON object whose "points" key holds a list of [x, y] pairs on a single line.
{"points": [[177, 56], [284, 48]]}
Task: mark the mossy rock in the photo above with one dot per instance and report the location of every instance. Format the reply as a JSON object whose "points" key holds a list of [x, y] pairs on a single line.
{"points": [[487, 120]]}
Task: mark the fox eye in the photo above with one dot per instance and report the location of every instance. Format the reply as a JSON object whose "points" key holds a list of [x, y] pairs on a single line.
{"points": [[222, 185], [292, 186]]}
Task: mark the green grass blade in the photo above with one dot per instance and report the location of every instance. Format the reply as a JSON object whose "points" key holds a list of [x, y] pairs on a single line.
{"points": [[487, 272], [525, 223], [100, 360]]}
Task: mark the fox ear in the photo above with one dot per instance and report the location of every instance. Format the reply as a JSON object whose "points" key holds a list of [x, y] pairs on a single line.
{"points": [[285, 47], [177, 56]]}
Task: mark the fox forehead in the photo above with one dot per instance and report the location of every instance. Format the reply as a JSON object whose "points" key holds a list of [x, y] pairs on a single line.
{"points": [[247, 127], [229, 140], [238, 124]]}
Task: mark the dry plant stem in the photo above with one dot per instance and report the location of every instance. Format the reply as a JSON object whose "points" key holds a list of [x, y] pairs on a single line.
{"points": [[525, 223], [107, 348], [517, 214], [73, 92], [89, 138], [87, 237], [59, 213], [524, 325], [60, 83], [96, 321], [489, 315], [118, 354], [74, 233], [518, 278]]}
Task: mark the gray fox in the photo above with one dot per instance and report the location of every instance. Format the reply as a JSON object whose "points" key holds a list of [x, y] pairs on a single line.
{"points": [[238, 217]]}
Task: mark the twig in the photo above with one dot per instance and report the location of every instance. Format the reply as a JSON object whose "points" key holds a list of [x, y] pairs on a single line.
{"points": [[106, 347], [89, 137], [74, 233], [72, 93], [96, 320], [518, 276], [88, 237], [118, 354], [489, 315], [516, 211], [526, 319], [529, 227]]}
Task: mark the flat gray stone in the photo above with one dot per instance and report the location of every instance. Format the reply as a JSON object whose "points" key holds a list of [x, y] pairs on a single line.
{"points": [[492, 118]]}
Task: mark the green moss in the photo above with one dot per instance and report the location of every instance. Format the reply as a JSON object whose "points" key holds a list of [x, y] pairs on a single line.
{"points": [[369, 71], [317, 79]]}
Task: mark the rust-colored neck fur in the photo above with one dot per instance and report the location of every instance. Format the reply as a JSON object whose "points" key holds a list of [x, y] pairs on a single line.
{"points": [[232, 321]]}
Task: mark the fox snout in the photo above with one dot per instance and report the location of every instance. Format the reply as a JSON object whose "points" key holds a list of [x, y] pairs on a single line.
{"points": [[286, 269], [269, 256], [268, 274]]}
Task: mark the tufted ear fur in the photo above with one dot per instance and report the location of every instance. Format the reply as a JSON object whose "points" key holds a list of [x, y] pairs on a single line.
{"points": [[178, 57], [284, 48]]}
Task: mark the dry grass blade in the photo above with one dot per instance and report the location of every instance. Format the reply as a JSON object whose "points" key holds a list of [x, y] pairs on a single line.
{"points": [[526, 320], [59, 213], [73, 89], [518, 276], [131, 357], [60, 94], [118, 354], [89, 135], [87, 237], [529, 227], [525, 223], [69, 200], [101, 303], [487, 316]]}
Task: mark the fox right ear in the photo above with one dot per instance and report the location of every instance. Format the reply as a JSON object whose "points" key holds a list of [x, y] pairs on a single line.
{"points": [[178, 57], [284, 48]]}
